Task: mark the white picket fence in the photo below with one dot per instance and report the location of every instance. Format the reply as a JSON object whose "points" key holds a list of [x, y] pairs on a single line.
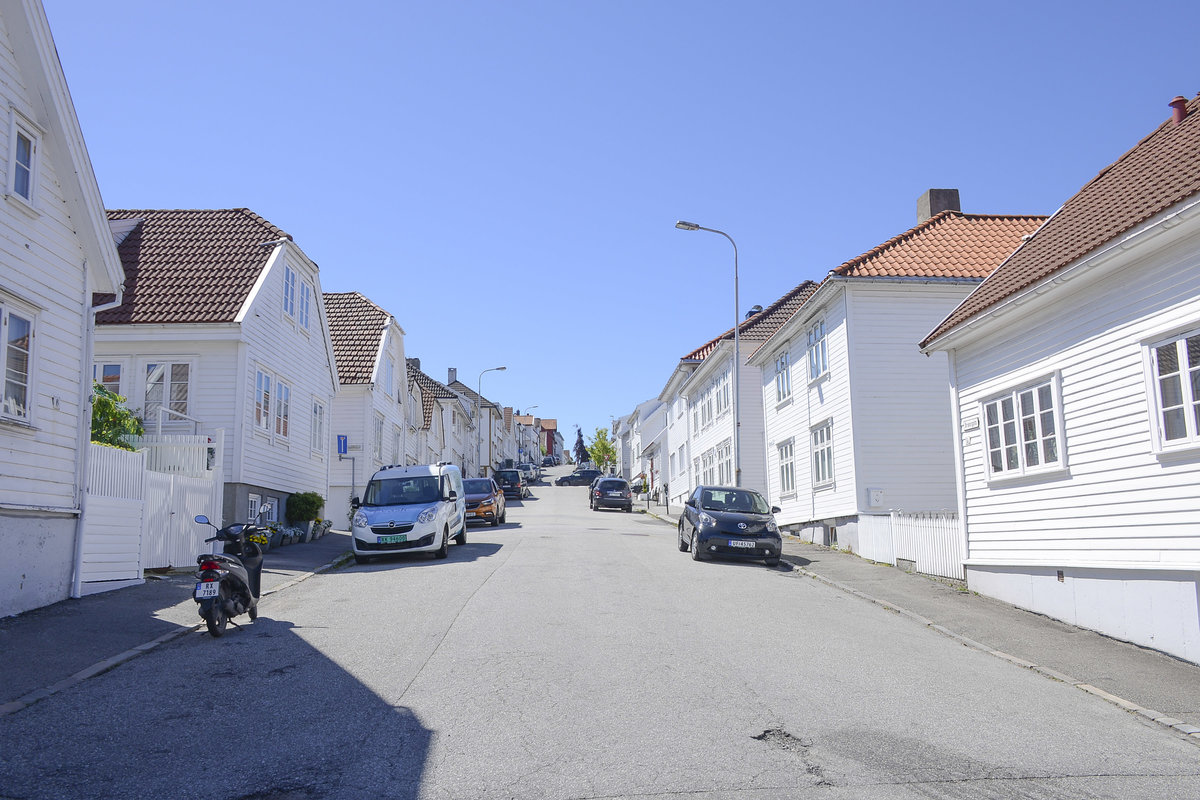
{"points": [[141, 507], [931, 540]]}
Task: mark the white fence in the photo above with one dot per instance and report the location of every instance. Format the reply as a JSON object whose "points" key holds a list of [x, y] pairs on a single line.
{"points": [[141, 507], [931, 540]]}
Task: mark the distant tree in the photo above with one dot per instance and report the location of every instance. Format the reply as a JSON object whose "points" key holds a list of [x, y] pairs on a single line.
{"points": [[603, 450], [580, 450], [112, 422]]}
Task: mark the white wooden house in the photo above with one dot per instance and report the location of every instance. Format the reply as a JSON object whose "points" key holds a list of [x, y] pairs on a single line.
{"points": [[56, 252], [699, 422], [856, 417], [223, 327], [488, 420], [1073, 375], [369, 409], [440, 420]]}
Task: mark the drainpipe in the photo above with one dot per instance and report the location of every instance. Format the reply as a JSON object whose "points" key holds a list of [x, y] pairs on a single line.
{"points": [[85, 423]]}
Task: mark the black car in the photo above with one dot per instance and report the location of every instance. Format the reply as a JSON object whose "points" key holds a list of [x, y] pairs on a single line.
{"points": [[512, 482], [610, 493], [580, 477], [731, 522], [548, 461]]}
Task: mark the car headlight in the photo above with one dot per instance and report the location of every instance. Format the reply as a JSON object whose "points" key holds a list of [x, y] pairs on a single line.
{"points": [[360, 520], [707, 519], [428, 515], [772, 527]]}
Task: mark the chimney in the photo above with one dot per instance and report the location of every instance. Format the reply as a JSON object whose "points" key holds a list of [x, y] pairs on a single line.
{"points": [[508, 416], [753, 310], [1179, 106], [935, 201], [451, 375], [416, 362]]}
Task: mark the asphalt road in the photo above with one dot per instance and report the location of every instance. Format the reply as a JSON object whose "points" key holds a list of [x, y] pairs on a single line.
{"points": [[577, 654]]}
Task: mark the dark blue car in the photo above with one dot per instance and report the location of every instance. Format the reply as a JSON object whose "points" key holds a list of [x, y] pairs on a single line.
{"points": [[729, 522]]}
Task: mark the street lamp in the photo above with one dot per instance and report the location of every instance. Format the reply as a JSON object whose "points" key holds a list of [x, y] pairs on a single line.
{"points": [[737, 421], [479, 422]]}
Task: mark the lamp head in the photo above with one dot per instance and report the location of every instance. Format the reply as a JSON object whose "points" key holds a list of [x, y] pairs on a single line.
{"points": [[687, 226]]}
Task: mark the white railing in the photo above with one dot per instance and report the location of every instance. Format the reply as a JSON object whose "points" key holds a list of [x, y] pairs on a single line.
{"points": [[195, 456], [929, 539], [115, 473]]}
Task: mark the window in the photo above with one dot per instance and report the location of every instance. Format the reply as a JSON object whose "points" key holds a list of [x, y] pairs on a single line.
{"points": [[706, 408], [397, 450], [709, 466], [17, 344], [305, 303], [725, 462], [1022, 431], [377, 439], [108, 376], [283, 408], [316, 436], [389, 376], [289, 291], [255, 504], [24, 146], [1176, 368], [787, 467], [818, 361], [262, 401], [722, 392], [783, 379], [167, 387], [822, 454]]}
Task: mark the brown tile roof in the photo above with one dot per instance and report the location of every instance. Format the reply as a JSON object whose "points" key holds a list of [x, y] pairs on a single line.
{"points": [[948, 245], [356, 327], [1160, 171], [431, 391], [760, 326], [190, 265]]}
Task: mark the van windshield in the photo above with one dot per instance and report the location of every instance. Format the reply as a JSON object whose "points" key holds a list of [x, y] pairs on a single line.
{"points": [[415, 490]]}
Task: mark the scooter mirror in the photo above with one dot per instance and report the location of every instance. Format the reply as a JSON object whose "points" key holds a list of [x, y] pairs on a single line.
{"points": [[203, 520]]}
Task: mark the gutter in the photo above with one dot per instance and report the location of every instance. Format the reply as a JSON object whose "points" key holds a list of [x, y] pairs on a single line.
{"points": [[85, 423]]}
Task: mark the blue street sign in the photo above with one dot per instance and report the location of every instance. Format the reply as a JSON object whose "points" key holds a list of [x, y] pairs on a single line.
{"points": [[342, 445]]}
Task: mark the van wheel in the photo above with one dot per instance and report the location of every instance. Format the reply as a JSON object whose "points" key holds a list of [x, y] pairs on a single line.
{"points": [[362, 559], [462, 536], [444, 550]]}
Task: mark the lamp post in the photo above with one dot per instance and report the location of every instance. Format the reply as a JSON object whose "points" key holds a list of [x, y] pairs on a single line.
{"points": [[737, 420], [479, 422]]}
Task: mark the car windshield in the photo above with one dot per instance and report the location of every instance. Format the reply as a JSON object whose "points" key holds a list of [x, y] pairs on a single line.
{"points": [[738, 500], [477, 486], [414, 490]]}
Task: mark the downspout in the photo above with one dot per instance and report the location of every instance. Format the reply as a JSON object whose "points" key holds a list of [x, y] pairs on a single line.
{"points": [[959, 456], [85, 424]]}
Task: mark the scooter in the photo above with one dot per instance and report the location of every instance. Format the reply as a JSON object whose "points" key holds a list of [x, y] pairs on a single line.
{"points": [[229, 583]]}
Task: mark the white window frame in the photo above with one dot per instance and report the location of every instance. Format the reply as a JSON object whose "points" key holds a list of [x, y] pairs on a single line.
{"points": [[306, 295], [724, 457], [169, 363], [101, 366], [283, 409], [821, 454], [389, 376], [289, 290], [317, 441], [377, 439], [1188, 399], [21, 126], [817, 350], [722, 393], [264, 395], [10, 353], [787, 466], [1010, 439], [254, 501], [783, 378]]}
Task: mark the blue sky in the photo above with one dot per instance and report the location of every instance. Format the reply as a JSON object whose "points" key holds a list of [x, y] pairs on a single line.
{"points": [[504, 177]]}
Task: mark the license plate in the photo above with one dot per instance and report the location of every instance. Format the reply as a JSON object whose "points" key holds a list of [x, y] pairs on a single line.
{"points": [[205, 589], [470, 513], [397, 539], [614, 494], [741, 543]]}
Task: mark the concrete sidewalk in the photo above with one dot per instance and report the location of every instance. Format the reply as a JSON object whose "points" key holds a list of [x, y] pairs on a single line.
{"points": [[49, 649], [1146, 682]]}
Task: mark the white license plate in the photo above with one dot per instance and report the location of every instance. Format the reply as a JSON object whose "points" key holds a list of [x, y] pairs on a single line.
{"points": [[741, 543], [205, 589], [470, 513], [614, 494]]}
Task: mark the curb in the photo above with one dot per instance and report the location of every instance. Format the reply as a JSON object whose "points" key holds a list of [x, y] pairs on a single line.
{"points": [[1190, 731], [112, 662]]}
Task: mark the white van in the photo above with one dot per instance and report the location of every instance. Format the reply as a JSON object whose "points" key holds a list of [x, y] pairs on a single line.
{"points": [[409, 510]]}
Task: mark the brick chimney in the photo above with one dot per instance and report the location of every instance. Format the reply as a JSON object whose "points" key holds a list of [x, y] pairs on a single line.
{"points": [[935, 201]]}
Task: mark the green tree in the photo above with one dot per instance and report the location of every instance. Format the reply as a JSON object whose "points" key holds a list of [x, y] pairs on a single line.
{"points": [[112, 422], [603, 450]]}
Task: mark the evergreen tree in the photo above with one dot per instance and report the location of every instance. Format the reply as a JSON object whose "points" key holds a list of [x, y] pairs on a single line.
{"points": [[580, 450]]}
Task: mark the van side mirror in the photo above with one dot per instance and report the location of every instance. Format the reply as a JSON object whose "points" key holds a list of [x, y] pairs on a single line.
{"points": [[452, 495], [355, 503]]}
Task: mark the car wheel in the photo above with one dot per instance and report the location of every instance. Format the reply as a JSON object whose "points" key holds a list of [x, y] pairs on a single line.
{"points": [[683, 546], [496, 521], [504, 515], [444, 550], [462, 535], [629, 508], [695, 547], [771, 562]]}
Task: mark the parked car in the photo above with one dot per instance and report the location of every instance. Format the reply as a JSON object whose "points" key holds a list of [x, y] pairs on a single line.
{"points": [[485, 501], [512, 482], [580, 477], [730, 522], [415, 509], [548, 461], [610, 492], [529, 472]]}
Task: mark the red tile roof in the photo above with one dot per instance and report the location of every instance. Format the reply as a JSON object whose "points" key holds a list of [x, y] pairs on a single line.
{"points": [[948, 245], [356, 327], [1159, 172], [759, 327], [190, 265]]}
